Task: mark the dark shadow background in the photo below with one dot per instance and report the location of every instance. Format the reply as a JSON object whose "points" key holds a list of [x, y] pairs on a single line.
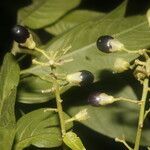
{"points": [[8, 15]]}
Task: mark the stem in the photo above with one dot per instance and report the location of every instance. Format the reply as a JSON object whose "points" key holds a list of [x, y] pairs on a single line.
{"points": [[59, 108], [146, 55], [50, 109], [141, 114], [24, 71], [70, 120], [131, 52], [42, 52], [39, 63], [146, 113], [128, 100], [138, 62], [124, 142]]}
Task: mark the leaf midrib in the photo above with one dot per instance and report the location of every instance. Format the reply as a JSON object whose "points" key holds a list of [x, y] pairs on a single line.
{"points": [[114, 35]]}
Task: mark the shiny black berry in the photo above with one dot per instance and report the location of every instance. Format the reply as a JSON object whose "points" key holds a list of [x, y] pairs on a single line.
{"points": [[20, 34], [87, 78], [82, 78], [103, 43]]}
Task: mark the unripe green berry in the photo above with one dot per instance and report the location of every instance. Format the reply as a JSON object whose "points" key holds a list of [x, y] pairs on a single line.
{"points": [[120, 65], [140, 73]]}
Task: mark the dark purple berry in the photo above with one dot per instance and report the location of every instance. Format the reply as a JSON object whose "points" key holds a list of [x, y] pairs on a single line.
{"points": [[87, 78], [20, 34], [94, 99], [103, 43]]}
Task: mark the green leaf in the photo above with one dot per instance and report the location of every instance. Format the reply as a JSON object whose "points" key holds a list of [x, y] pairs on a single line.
{"points": [[84, 49], [117, 120], [9, 80], [73, 141], [130, 31], [71, 20], [44, 12], [6, 138], [30, 90], [40, 128]]}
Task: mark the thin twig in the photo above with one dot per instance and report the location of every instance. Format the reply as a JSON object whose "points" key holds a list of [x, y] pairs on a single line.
{"points": [[146, 113], [59, 107], [141, 115], [124, 142], [42, 52], [127, 100]]}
